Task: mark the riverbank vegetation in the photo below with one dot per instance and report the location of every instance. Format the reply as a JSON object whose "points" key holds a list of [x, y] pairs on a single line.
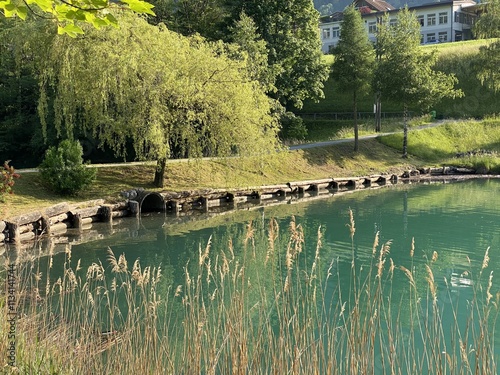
{"points": [[278, 305], [429, 147]]}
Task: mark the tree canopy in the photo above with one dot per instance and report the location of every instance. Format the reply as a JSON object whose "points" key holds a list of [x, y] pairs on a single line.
{"points": [[69, 14], [488, 26], [405, 71], [354, 61], [290, 29], [165, 94]]}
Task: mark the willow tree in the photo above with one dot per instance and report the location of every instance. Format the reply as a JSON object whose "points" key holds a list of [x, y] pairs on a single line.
{"points": [[488, 26], [170, 96], [405, 72]]}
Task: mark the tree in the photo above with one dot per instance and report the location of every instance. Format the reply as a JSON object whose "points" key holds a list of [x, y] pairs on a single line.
{"points": [[404, 72], [188, 17], [488, 26], [354, 61], [167, 95], [63, 169], [290, 29], [244, 34], [20, 132], [70, 13]]}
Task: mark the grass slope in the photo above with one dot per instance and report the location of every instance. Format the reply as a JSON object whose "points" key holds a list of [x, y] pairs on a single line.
{"points": [[436, 146], [458, 58]]}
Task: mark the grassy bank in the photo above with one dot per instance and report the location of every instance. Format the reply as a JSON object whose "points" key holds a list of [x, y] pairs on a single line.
{"points": [[458, 58], [277, 307], [442, 144], [30, 194], [431, 147]]}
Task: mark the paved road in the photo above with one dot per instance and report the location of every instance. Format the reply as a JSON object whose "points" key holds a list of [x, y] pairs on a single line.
{"points": [[295, 147]]}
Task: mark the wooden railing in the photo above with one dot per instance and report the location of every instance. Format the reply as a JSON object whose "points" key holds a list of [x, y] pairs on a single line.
{"points": [[349, 115]]}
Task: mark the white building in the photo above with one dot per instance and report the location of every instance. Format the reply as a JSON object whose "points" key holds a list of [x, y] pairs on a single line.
{"points": [[446, 21]]}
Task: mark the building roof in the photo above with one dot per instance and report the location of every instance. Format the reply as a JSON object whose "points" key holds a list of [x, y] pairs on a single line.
{"points": [[375, 5], [470, 5], [337, 16]]}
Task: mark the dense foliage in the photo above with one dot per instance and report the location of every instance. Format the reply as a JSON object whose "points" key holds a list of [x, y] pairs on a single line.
{"points": [[488, 26], [63, 170], [290, 29], [69, 14], [165, 94]]}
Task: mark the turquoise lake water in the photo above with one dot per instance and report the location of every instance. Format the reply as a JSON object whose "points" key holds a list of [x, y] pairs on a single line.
{"points": [[452, 225]]}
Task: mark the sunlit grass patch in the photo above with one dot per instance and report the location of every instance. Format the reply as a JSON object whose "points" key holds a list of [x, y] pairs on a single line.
{"points": [[444, 142]]}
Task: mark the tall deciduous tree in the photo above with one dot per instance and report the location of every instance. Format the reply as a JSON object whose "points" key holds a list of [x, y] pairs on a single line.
{"points": [[405, 72], [170, 96], [290, 29], [488, 26], [354, 61]]}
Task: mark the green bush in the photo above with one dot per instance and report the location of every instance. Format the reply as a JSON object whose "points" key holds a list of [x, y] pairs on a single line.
{"points": [[293, 127], [63, 169]]}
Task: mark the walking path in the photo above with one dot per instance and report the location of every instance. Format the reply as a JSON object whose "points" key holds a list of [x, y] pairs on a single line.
{"points": [[294, 147], [364, 137]]}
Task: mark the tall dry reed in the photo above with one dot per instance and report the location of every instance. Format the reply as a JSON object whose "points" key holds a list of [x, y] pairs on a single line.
{"points": [[275, 307]]}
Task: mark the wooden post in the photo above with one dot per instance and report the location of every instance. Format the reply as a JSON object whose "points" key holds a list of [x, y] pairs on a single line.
{"points": [[174, 206], [77, 221], [134, 208], [106, 213]]}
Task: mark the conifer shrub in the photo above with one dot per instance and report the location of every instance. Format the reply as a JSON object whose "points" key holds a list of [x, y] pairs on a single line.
{"points": [[63, 169]]}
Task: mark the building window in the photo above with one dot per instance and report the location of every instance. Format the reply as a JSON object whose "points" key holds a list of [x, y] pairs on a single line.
{"points": [[443, 36], [443, 18], [421, 38], [431, 19], [465, 18], [326, 33], [393, 22], [421, 20], [336, 32], [431, 37], [372, 27]]}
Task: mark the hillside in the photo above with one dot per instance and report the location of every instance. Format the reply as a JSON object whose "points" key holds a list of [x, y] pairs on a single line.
{"points": [[458, 58]]}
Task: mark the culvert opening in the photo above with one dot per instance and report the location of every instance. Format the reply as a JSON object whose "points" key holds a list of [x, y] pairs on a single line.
{"points": [[151, 202]]}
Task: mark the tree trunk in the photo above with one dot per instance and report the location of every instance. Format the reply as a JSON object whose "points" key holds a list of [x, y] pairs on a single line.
{"points": [[405, 131], [160, 172], [378, 112], [356, 129]]}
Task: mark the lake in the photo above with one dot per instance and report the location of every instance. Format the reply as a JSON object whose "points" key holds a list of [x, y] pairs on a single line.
{"points": [[302, 285]]}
